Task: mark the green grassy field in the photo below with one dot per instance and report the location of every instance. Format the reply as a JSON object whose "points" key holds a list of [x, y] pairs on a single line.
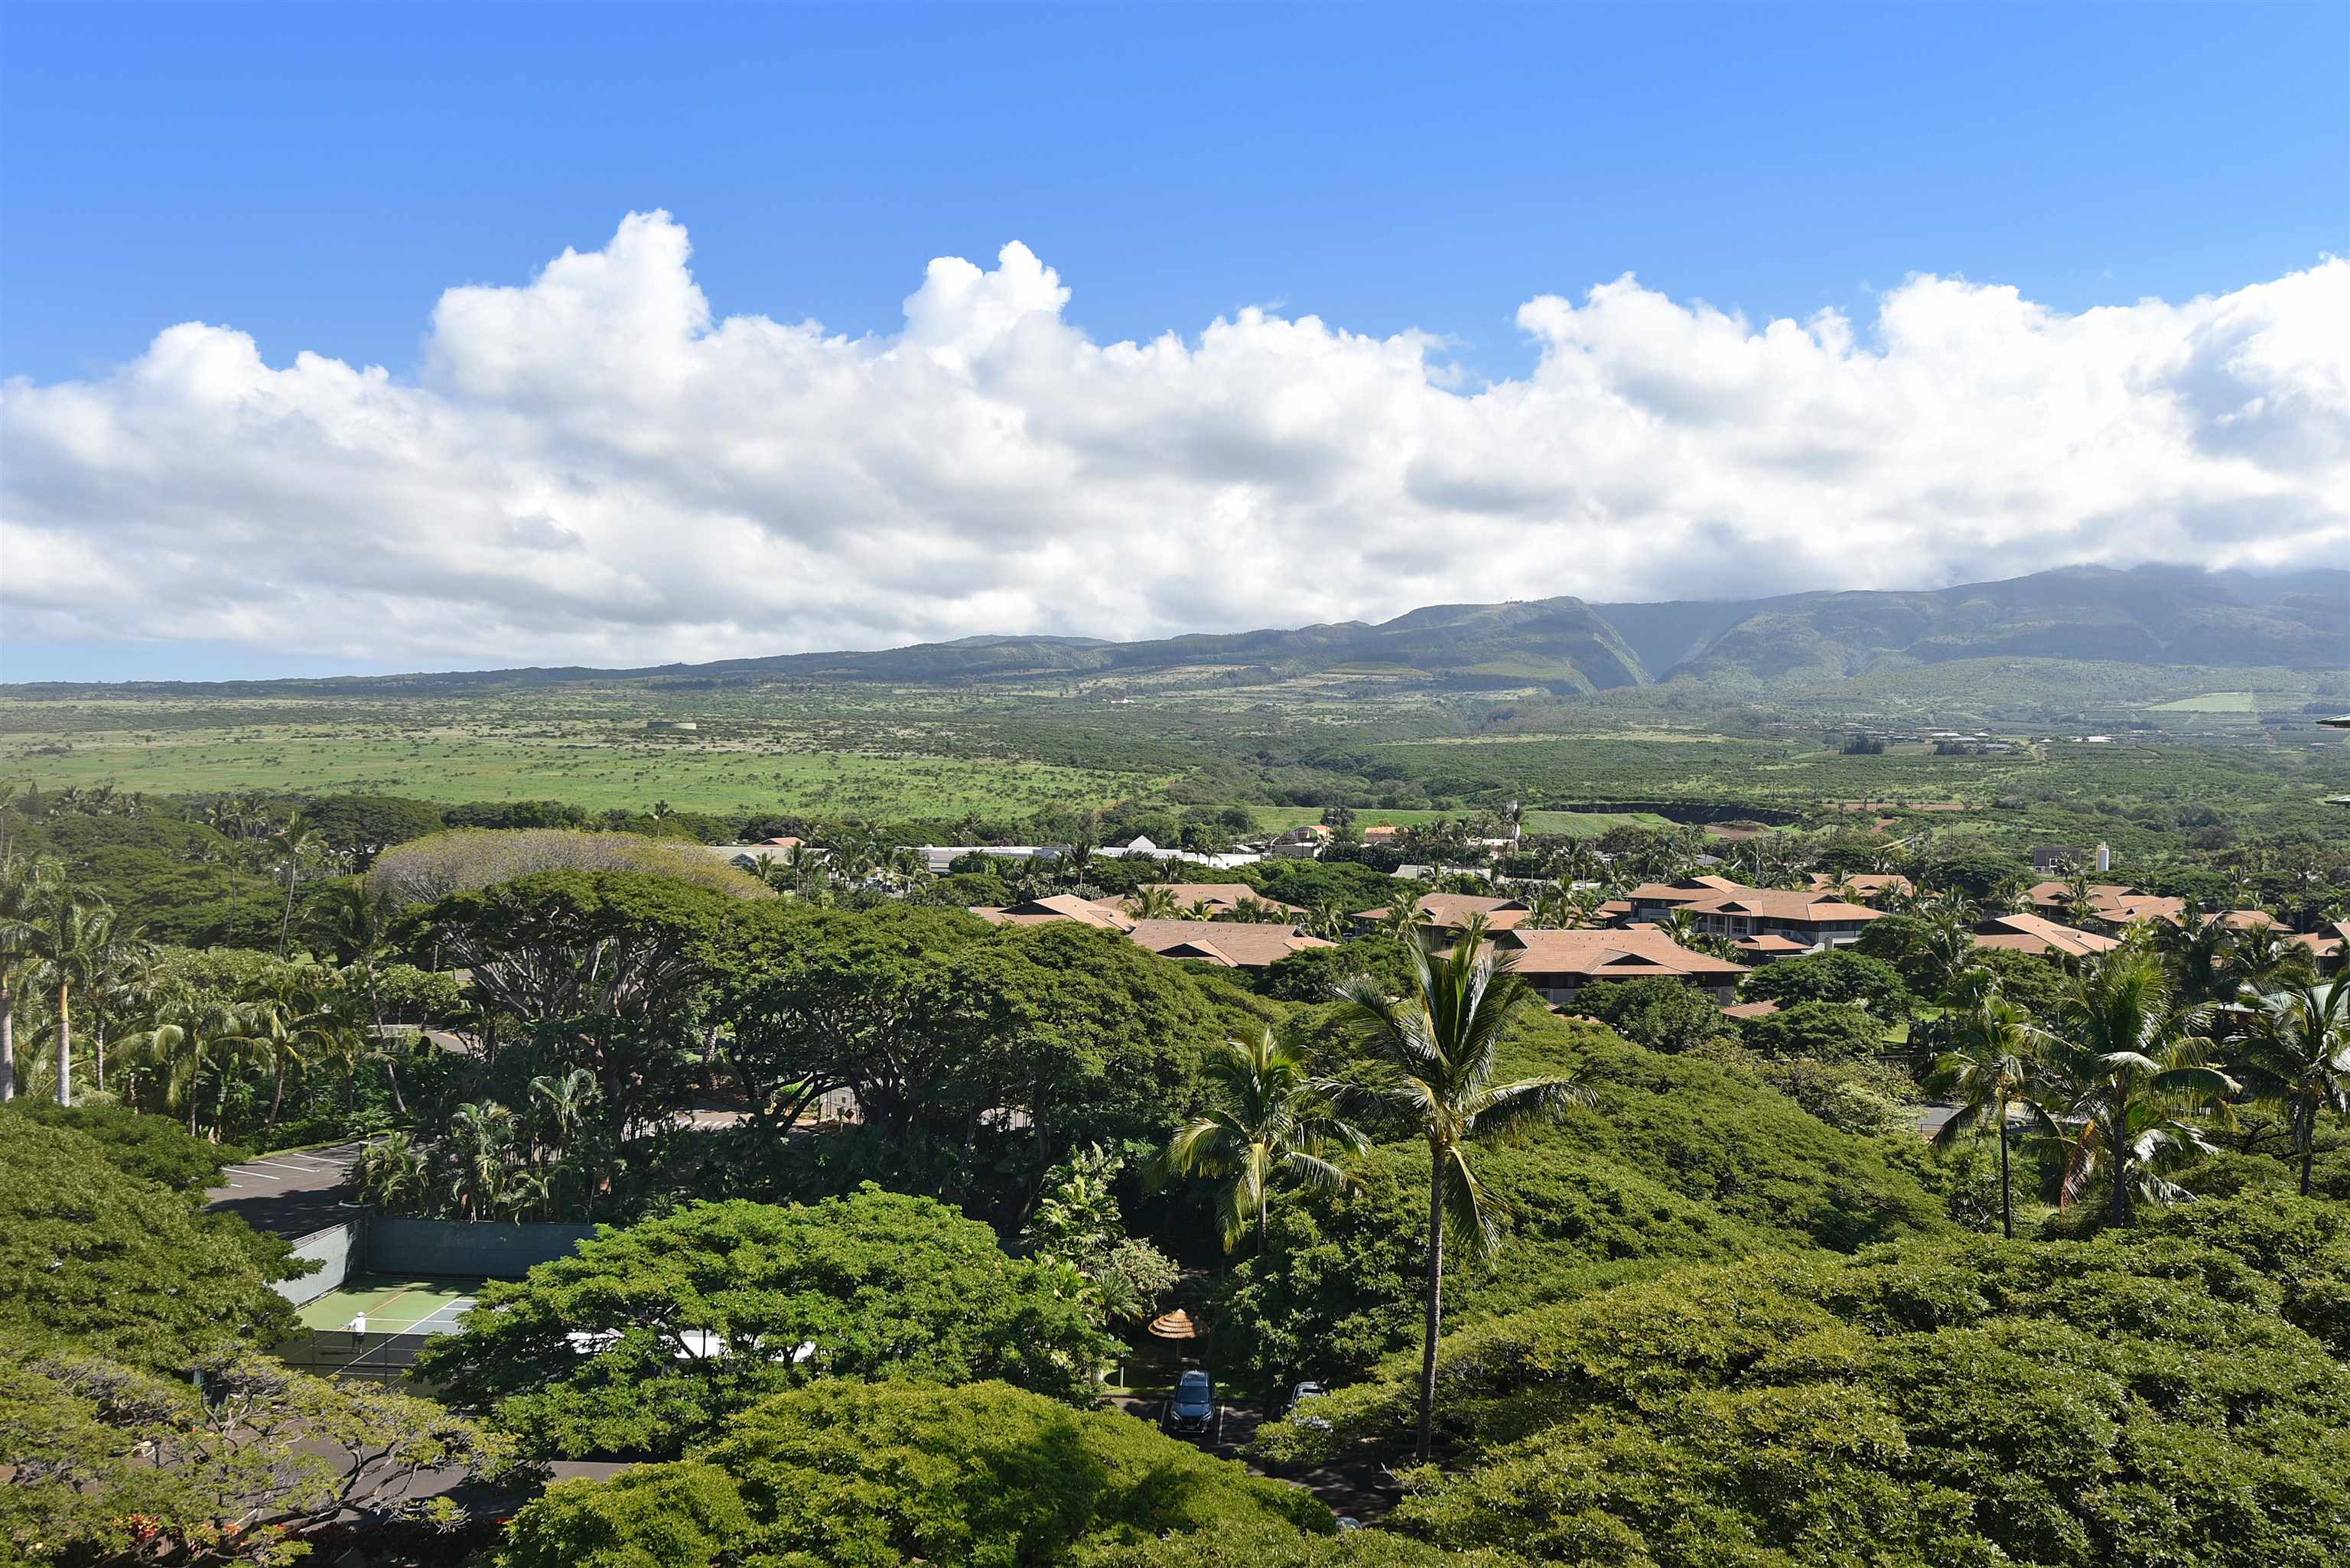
{"points": [[1579, 824], [598, 763], [2211, 702]]}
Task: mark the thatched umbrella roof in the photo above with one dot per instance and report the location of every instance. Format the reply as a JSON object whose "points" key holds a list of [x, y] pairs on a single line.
{"points": [[1176, 1324]]}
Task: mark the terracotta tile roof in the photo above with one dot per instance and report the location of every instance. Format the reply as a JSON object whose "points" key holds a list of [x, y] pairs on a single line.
{"points": [[2329, 941], [1057, 907], [2032, 934], [1782, 904], [1751, 1010], [1627, 955], [1451, 912], [1235, 943], [2131, 906], [1867, 887], [2059, 894], [1207, 895], [1770, 943], [1868, 882], [1687, 891]]}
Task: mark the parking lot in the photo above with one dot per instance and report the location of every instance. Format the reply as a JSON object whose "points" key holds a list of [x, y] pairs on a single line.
{"points": [[287, 1195]]}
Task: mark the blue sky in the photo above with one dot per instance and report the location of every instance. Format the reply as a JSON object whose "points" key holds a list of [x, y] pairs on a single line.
{"points": [[316, 176]]}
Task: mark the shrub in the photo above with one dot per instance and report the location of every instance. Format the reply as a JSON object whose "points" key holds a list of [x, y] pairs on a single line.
{"points": [[120, 1267], [429, 869], [877, 1475], [1820, 1031], [1661, 1015], [701, 1313]]}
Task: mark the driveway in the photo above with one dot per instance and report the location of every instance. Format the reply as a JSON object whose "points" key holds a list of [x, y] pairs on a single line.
{"points": [[288, 1195]]}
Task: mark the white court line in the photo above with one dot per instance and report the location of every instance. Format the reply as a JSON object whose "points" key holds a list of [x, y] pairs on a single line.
{"points": [[286, 1164]]}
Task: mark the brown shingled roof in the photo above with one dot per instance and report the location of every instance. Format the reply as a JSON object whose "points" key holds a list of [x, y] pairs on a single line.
{"points": [[1210, 896], [1451, 912], [1057, 907], [1239, 944], [1781, 904], [1626, 954], [2033, 934]]}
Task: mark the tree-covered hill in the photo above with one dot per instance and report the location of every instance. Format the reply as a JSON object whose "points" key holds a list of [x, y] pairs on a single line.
{"points": [[2151, 615]]}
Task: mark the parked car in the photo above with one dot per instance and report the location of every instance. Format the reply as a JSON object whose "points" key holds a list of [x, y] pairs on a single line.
{"points": [[1193, 1409], [1301, 1402]]}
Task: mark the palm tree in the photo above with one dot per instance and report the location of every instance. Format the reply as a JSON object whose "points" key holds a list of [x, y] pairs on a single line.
{"points": [[1158, 902], [1443, 1043], [118, 984], [72, 943], [2298, 1056], [388, 1172], [279, 1030], [565, 1101], [24, 888], [1989, 1069], [1328, 920], [1273, 1119], [2127, 1058], [356, 922], [298, 840], [481, 1136], [2265, 958], [2199, 947], [193, 1031]]}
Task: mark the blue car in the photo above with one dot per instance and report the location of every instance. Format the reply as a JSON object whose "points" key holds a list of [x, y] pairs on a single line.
{"points": [[1192, 1409]]}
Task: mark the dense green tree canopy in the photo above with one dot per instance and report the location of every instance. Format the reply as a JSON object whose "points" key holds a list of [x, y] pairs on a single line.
{"points": [[1683, 1158], [150, 1148], [1834, 976], [112, 1464], [1661, 1015], [100, 1260], [689, 1318], [2068, 1403], [1823, 1031], [604, 969], [841, 1475]]}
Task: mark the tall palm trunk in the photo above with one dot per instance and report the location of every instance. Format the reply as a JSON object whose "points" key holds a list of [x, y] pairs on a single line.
{"points": [[65, 1047], [2006, 1182], [7, 1043], [2118, 1137], [2308, 1131], [293, 873], [1435, 1305]]}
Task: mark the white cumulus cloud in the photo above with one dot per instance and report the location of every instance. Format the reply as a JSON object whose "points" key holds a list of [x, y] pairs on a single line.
{"points": [[590, 467]]}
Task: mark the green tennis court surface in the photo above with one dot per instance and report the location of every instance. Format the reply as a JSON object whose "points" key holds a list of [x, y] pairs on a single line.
{"points": [[393, 1305]]}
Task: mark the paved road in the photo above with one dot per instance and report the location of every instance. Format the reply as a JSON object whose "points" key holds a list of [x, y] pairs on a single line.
{"points": [[288, 1195], [1931, 1117]]}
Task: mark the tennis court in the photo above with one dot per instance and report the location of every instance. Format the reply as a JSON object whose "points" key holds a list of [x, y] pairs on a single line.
{"points": [[393, 1305], [403, 1316]]}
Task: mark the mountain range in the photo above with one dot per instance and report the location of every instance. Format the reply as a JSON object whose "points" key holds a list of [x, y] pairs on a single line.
{"points": [[2166, 616]]}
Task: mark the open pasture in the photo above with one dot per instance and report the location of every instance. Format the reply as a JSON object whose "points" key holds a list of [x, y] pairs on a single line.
{"points": [[596, 763]]}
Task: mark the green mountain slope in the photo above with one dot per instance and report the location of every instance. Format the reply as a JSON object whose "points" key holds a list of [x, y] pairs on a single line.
{"points": [[2150, 616]]}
